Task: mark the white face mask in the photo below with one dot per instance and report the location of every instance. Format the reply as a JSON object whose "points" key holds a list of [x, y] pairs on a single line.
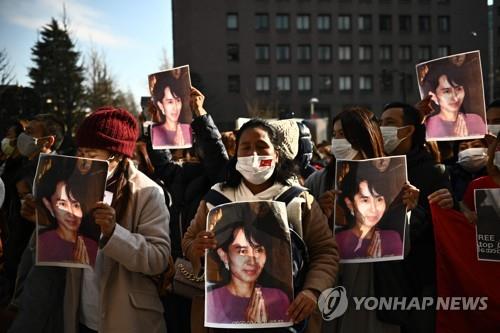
{"points": [[256, 169], [112, 171], [391, 140], [494, 129], [7, 148], [473, 159], [342, 149]]}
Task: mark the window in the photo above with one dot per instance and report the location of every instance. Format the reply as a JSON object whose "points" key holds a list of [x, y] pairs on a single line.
{"points": [[444, 23], [324, 22], [304, 53], [386, 80], [324, 53], [233, 83], [405, 53], [424, 23], [262, 83], [261, 22], [385, 23], [344, 22], [345, 52], [325, 83], [233, 52], [405, 23], [365, 53], [232, 21], [282, 22], [303, 23], [282, 53], [345, 83], [424, 52], [304, 83], [443, 51], [366, 83], [262, 53], [385, 52], [364, 23], [283, 83]]}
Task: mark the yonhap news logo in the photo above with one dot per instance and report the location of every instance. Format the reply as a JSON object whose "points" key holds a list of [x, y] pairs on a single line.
{"points": [[333, 303]]}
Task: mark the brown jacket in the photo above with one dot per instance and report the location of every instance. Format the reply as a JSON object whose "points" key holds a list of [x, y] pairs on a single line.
{"points": [[322, 248], [138, 248]]}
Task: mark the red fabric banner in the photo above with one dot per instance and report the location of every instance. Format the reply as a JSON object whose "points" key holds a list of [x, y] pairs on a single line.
{"points": [[460, 274]]}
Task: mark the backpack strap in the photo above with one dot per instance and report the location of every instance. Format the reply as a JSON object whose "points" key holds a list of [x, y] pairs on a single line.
{"points": [[290, 194], [215, 198]]}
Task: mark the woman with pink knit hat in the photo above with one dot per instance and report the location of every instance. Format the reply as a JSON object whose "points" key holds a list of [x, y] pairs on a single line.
{"points": [[119, 295]]}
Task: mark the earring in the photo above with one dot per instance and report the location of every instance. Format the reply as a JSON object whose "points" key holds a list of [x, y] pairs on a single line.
{"points": [[352, 212], [226, 265]]}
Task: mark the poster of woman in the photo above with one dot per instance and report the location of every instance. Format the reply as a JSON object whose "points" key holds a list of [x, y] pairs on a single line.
{"points": [[170, 92], [372, 226], [455, 85], [65, 190], [249, 273]]}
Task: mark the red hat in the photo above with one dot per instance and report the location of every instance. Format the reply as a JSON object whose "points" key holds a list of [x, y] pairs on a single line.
{"points": [[109, 128]]}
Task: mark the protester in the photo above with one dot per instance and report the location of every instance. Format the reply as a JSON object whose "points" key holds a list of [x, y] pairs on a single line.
{"points": [[245, 180], [493, 117]]}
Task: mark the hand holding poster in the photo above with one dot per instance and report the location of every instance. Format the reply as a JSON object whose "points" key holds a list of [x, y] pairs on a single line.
{"points": [[372, 226], [487, 203], [65, 190], [170, 91], [455, 84], [249, 274]]}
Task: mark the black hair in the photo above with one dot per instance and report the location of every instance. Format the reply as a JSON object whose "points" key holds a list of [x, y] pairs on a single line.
{"points": [[411, 116], [164, 80], [351, 182], [51, 126], [285, 168], [494, 104]]}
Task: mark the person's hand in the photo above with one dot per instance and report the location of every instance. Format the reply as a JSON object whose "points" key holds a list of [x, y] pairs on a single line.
{"points": [[327, 201], [375, 248], [204, 240], [460, 126], [256, 311], [196, 102], [442, 198], [302, 306], [410, 196], [105, 217], [28, 208], [80, 254], [424, 107]]}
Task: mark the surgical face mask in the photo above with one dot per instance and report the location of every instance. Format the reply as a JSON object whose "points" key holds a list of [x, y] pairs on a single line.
{"points": [[391, 140], [27, 144], [473, 159], [112, 171], [7, 148], [256, 169], [494, 129], [342, 149]]}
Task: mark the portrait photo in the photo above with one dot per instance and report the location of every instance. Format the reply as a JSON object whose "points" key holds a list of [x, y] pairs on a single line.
{"points": [[249, 274], [455, 85], [170, 93], [488, 224], [65, 191], [370, 216]]}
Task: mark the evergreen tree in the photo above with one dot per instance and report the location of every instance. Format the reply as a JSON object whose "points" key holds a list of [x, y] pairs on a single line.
{"points": [[58, 74]]}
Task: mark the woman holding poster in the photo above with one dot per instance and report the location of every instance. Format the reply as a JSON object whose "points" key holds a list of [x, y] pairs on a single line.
{"points": [[260, 172]]}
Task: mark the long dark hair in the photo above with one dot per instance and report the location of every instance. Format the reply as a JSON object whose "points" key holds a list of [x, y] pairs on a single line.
{"points": [[122, 194], [361, 132], [285, 169]]}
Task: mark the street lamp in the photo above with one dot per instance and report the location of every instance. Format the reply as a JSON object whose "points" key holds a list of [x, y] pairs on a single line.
{"points": [[312, 101]]}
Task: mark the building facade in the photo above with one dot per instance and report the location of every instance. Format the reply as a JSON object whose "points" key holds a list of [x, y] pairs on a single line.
{"points": [[277, 57]]}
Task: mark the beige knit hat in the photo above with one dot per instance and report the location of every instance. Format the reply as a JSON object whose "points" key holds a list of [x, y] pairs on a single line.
{"points": [[288, 133]]}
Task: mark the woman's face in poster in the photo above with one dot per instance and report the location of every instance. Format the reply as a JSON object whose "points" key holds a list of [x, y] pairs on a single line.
{"points": [[245, 262], [170, 105], [449, 95], [65, 208], [368, 206]]}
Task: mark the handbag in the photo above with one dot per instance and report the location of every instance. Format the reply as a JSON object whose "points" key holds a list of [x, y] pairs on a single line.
{"points": [[186, 283]]}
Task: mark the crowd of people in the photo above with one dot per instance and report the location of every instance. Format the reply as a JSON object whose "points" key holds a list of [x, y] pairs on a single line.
{"points": [[160, 202]]}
